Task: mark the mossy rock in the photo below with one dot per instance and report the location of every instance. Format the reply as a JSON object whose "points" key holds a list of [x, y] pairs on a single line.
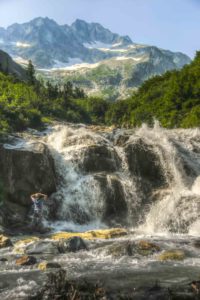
{"points": [[126, 248], [172, 255], [91, 235], [147, 248]]}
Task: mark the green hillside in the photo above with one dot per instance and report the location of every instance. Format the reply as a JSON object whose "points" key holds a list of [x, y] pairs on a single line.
{"points": [[173, 99]]}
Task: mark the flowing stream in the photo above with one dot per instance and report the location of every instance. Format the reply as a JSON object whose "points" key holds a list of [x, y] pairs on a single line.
{"points": [[147, 180]]}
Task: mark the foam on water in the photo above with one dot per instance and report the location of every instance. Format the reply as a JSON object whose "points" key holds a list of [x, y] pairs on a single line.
{"points": [[177, 208]]}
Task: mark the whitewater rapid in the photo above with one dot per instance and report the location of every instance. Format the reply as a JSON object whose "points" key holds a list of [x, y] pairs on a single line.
{"points": [[82, 204]]}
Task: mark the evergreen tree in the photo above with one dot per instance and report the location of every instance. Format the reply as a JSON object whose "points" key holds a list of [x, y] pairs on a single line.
{"points": [[31, 73]]}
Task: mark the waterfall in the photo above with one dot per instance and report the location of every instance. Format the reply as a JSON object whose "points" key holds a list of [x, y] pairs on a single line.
{"points": [[82, 194]]}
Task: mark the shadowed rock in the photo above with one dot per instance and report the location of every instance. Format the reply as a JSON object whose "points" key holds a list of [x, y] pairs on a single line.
{"points": [[26, 261], [23, 172], [99, 158], [73, 244]]}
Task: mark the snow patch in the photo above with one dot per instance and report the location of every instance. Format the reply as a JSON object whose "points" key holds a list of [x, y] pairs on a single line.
{"points": [[128, 57], [114, 50], [22, 45], [97, 45], [20, 60], [73, 64], [105, 47]]}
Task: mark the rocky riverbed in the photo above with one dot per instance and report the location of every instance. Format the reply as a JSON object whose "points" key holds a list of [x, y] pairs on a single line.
{"points": [[106, 264]]}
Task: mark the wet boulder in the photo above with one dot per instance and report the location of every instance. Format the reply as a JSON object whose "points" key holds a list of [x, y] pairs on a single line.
{"points": [[115, 206], [26, 261], [43, 266], [147, 248], [24, 171], [5, 241], [172, 255], [73, 244], [21, 245], [110, 233], [145, 164], [126, 248], [99, 158], [42, 247]]}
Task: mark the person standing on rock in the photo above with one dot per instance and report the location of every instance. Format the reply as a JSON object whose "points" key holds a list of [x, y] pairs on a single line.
{"points": [[38, 200]]}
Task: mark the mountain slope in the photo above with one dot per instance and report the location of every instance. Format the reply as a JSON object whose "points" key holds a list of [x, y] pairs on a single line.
{"points": [[46, 42], [90, 55], [7, 65], [117, 77], [173, 99]]}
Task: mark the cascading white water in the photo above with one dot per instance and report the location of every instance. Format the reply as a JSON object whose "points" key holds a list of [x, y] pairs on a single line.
{"points": [[177, 207], [79, 195]]}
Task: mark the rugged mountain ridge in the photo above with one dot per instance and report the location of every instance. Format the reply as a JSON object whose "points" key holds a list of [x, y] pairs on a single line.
{"points": [[47, 43], [88, 54]]}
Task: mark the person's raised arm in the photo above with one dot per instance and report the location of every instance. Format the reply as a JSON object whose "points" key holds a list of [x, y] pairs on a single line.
{"points": [[44, 196], [33, 197]]}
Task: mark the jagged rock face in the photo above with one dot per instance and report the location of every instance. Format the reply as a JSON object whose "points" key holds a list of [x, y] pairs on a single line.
{"points": [[95, 32]]}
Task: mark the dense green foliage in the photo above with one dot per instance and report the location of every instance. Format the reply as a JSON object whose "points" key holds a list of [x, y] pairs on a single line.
{"points": [[173, 99], [25, 105]]}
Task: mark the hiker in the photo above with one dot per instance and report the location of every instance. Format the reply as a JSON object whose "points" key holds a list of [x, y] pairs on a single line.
{"points": [[38, 199]]}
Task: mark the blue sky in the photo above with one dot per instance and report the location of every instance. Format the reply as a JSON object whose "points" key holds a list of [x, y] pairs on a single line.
{"points": [[170, 24]]}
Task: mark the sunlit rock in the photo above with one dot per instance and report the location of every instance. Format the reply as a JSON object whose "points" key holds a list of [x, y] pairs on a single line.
{"points": [[172, 255], [20, 246], [94, 234], [26, 261], [5, 241], [43, 266]]}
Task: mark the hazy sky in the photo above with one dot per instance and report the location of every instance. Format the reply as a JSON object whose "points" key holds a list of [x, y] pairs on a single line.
{"points": [[170, 24]]}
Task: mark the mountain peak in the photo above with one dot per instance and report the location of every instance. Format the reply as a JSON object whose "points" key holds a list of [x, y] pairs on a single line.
{"points": [[43, 21]]}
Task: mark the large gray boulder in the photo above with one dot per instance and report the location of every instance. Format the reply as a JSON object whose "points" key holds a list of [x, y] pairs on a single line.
{"points": [[42, 247], [73, 244], [145, 164], [24, 171]]}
